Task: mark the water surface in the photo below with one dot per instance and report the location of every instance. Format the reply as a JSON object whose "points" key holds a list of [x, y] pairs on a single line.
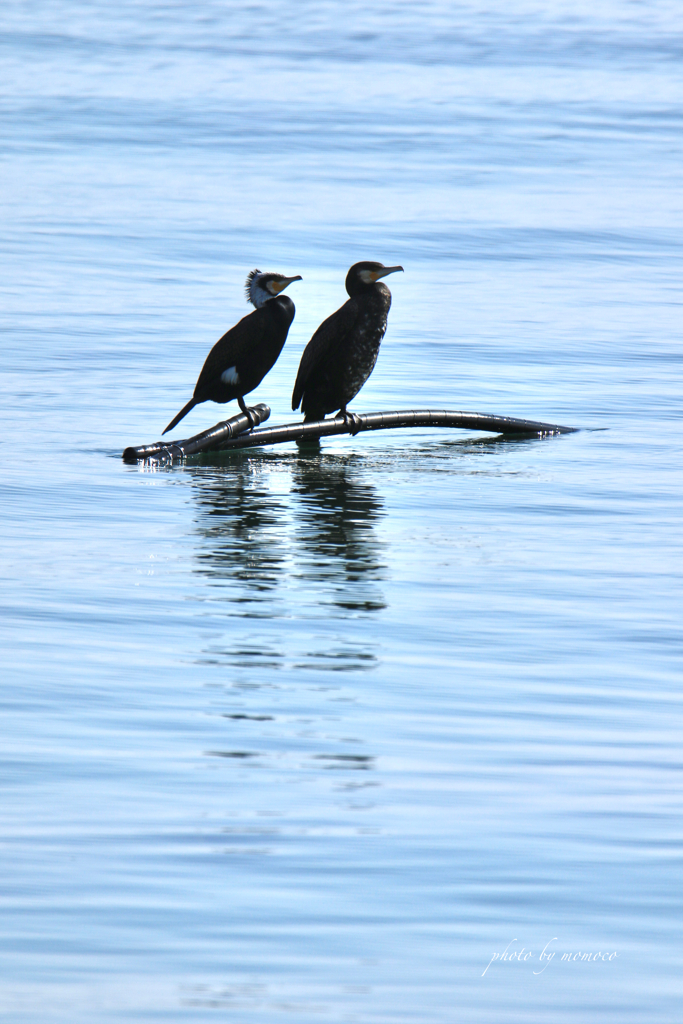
{"points": [[312, 735]]}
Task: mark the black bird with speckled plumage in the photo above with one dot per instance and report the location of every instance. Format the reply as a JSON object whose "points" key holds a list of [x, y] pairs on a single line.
{"points": [[342, 353], [239, 360]]}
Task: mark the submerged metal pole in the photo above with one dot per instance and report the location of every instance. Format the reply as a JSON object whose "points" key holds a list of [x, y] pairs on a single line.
{"points": [[223, 439], [385, 420], [167, 451]]}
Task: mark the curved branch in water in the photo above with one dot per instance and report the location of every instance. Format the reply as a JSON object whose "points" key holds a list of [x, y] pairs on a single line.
{"points": [[223, 437]]}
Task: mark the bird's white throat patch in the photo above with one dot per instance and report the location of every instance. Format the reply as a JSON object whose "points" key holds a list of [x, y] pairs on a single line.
{"points": [[230, 376], [258, 295]]}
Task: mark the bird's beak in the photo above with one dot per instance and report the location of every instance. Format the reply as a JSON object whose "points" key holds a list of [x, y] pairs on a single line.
{"points": [[279, 286], [376, 274]]}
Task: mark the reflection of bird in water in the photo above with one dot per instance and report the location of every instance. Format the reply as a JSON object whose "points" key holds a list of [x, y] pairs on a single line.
{"points": [[292, 564], [336, 514], [242, 524], [239, 361], [342, 353], [245, 535]]}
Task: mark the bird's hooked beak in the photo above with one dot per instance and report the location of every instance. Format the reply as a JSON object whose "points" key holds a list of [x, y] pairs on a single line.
{"points": [[279, 286], [384, 272]]}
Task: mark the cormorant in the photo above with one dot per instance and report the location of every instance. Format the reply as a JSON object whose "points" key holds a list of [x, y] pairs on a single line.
{"points": [[239, 361], [342, 353]]}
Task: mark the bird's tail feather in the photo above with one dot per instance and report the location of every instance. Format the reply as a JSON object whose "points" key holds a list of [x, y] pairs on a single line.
{"points": [[183, 412]]}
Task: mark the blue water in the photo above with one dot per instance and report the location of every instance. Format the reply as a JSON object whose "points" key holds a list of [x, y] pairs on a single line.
{"points": [[317, 736]]}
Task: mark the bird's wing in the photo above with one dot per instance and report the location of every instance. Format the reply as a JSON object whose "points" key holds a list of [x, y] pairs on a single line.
{"points": [[228, 350], [323, 344]]}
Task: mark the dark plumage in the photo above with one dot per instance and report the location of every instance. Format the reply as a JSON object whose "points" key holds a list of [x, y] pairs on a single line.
{"points": [[342, 353], [239, 361]]}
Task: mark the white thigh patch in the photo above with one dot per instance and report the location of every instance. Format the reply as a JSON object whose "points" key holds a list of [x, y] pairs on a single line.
{"points": [[230, 376]]}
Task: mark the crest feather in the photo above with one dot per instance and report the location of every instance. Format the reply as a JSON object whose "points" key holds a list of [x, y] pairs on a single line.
{"points": [[250, 280]]}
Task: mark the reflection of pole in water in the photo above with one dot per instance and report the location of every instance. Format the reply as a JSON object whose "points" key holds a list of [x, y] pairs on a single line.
{"points": [[335, 514], [242, 523]]}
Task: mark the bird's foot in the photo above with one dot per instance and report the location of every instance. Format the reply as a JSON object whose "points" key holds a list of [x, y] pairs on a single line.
{"points": [[351, 420], [251, 416]]}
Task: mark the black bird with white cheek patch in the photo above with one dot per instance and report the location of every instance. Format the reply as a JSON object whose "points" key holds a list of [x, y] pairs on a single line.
{"points": [[239, 361], [342, 353]]}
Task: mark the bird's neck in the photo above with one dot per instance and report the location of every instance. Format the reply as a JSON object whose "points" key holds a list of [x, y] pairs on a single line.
{"points": [[376, 288], [259, 297]]}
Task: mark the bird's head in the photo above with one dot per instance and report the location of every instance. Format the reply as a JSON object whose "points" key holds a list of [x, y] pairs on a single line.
{"points": [[262, 287], [362, 276]]}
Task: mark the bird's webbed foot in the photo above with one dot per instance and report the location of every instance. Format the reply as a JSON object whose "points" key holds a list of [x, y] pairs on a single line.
{"points": [[253, 420], [351, 420]]}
